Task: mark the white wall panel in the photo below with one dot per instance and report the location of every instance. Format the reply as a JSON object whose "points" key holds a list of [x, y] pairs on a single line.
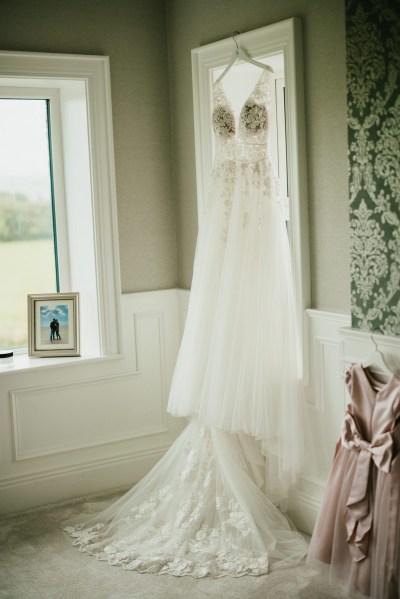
{"points": [[69, 429], [109, 409], [322, 414]]}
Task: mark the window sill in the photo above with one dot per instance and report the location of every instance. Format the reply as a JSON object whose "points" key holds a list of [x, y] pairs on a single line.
{"points": [[24, 363]]}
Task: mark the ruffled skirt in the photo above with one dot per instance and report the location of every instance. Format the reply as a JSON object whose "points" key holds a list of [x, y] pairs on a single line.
{"points": [[238, 369]]}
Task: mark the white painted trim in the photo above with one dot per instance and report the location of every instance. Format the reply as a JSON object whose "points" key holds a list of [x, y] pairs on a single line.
{"points": [[324, 408], [105, 206], [284, 37], [320, 343], [304, 511], [183, 304], [342, 320], [161, 340], [305, 502], [52, 473], [22, 363], [365, 336], [325, 331], [16, 395], [60, 484], [357, 347], [83, 385]]}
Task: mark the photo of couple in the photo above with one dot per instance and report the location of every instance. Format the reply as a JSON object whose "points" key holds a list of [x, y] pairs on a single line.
{"points": [[54, 324]]}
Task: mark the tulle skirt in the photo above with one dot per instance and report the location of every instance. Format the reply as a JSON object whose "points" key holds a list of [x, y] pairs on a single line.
{"points": [[199, 512], [237, 368]]}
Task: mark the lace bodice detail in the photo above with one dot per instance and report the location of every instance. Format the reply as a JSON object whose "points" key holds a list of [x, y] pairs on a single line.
{"points": [[244, 138]]}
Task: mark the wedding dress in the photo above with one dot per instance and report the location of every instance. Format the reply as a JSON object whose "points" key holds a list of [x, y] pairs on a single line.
{"points": [[206, 509]]}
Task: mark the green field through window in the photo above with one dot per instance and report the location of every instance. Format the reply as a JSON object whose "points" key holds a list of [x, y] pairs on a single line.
{"points": [[27, 244]]}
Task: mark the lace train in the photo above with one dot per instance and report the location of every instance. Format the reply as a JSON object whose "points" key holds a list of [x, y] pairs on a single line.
{"points": [[199, 512]]}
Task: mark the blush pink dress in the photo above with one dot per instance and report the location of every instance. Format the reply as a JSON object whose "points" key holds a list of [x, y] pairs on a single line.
{"points": [[358, 528]]}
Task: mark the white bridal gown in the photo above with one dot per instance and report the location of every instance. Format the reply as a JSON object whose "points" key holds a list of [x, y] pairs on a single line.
{"points": [[206, 509]]}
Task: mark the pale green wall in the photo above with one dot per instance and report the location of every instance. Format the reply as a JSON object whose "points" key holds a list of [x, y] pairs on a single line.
{"points": [[133, 34], [192, 23], [156, 180]]}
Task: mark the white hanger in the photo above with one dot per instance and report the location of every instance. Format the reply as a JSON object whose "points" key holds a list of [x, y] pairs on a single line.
{"points": [[238, 54], [376, 361]]}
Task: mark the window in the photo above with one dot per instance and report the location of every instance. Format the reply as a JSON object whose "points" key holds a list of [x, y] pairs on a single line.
{"points": [[28, 239], [76, 93]]}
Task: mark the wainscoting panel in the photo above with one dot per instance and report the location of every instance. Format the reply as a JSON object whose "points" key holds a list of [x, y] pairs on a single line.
{"points": [[77, 428], [322, 414]]}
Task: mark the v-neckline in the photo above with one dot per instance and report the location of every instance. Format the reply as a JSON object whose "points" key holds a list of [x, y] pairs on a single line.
{"points": [[228, 102]]}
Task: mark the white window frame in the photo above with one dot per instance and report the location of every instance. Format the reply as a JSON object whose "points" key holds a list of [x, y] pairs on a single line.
{"points": [[280, 38], [277, 131], [87, 175]]}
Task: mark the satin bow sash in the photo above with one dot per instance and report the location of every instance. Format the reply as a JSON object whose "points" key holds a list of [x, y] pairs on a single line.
{"points": [[358, 515]]}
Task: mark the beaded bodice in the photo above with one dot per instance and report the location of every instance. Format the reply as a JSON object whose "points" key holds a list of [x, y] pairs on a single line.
{"points": [[243, 138]]}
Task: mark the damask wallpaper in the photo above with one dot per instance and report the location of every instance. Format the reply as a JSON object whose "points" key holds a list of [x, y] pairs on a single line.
{"points": [[373, 86]]}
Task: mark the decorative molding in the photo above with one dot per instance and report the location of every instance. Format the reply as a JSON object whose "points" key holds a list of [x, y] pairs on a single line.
{"points": [[32, 490], [358, 345], [83, 386], [183, 305], [43, 475], [325, 332], [387, 341], [141, 316], [305, 502], [338, 319], [159, 316], [320, 345], [134, 357], [16, 397]]}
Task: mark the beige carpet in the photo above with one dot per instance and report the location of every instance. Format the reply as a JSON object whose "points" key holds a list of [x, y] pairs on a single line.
{"points": [[38, 562]]}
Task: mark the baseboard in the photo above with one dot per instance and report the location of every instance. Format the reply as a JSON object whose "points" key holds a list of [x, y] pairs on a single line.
{"points": [[61, 484], [305, 503]]}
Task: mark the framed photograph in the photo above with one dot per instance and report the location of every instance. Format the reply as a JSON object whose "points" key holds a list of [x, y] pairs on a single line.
{"points": [[53, 325]]}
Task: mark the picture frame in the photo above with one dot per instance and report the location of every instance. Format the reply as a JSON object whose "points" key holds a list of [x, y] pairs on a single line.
{"points": [[53, 325]]}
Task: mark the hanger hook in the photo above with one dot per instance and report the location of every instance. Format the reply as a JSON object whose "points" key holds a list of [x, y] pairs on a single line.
{"points": [[235, 33], [374, 342]]}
